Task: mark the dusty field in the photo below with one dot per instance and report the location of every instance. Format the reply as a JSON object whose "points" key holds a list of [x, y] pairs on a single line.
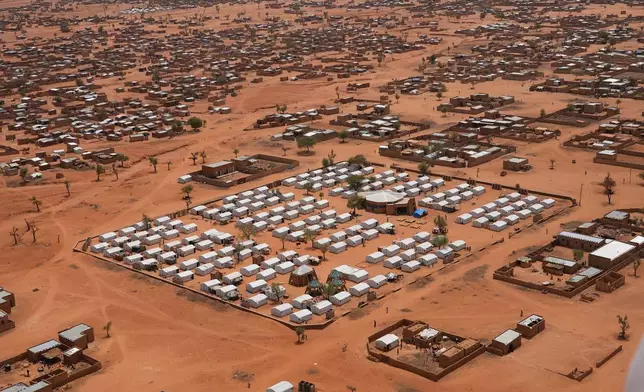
{"points": [[163, 339]]}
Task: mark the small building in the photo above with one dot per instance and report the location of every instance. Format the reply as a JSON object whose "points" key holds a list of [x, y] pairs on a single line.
{"points": [[531, 326], [610, 282], [505, 343], [516, 164], [77, 336], [610, 255], [389, 202], [282, 386], [574, 240]]}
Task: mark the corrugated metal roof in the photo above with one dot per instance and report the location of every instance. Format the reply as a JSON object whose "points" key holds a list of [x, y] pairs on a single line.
{"points": [[43, 347], [613, 250], [581, 237]]}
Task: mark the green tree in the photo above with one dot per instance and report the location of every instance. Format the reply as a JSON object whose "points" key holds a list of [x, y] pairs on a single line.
{"points": [[324, 248], [99, 170], [187, 189], [609, 187], [177, 127], [440, 241], [23, 174], [542, 113], [578, 254], [440, 222], [122, 158], [235, 151], [356, 201], [309, 236], [195, 122], [247, 231], [423, 168], [636, 265], [306, 142], [358, 160], [355, 182], [343, 135], [154, 162], [308, 187], [36, 203]]}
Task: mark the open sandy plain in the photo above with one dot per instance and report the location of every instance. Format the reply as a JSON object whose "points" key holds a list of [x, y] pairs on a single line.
{"points": [[165, 340]]}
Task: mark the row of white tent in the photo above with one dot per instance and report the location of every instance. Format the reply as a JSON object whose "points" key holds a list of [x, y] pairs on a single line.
{"points": [[452, 196], [502, 213], [409, 254]]}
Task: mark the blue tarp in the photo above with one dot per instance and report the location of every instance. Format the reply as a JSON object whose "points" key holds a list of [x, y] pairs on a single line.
{"points": [[419, 213]]}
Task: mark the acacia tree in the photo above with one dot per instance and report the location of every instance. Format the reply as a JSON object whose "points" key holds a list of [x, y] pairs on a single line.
{"points": [[235, 151], [624, 325], [33, 227], [355, 182], [552, 164], [300, 334], [247, 231], [343, 135], [14, 233], [36, 203], [122, 158], [440, 241], [306, 142], [154, 162], [203, 156], [423, 168], [107, 328], [355, 202], [23, 174], [609, 187], [358, 160], [324, 248], [440, 222], [99, 170], [193, 157], [578, 254]]}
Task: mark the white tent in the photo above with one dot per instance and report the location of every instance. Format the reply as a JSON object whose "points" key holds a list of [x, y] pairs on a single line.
{"points": [[359, 289], [186, 250], [480, 222], [295, 236], [188, 228], [100, 247], [369, 234], [188, 264], [208, 257], [339, 236], [173, 233], [256, 286], [204, 269], [464, 218], [321, 307], [282, 310], [204, 244], [377, 281], [312, 220], [338, 247], [387, 342], [224, 262], [342, 218], [393, 262], [358, 276], [375, 257], [233, 278], [257, 300], [428, 259], [301, 316], [340, 298], [107, 237], [409, 254], [210, 285], [391, 250], [536, 208], [354, 240], [524, 214], [169, 272], [328, 214], [477, 213], [498, 226], [285, 267], [250, 270], [423, 248], [299, 301], [458, 245], [406, 243], [270, 263], [281, 232], [184, 276], [410, 266], [282, 386], [512, 219], [385, 228]]}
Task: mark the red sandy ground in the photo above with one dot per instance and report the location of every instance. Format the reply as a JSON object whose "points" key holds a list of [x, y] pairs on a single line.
{"points": [[163, 341]]}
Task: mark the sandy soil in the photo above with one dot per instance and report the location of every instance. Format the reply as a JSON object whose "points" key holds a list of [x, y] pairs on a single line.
{"points": [[165, 340]]}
